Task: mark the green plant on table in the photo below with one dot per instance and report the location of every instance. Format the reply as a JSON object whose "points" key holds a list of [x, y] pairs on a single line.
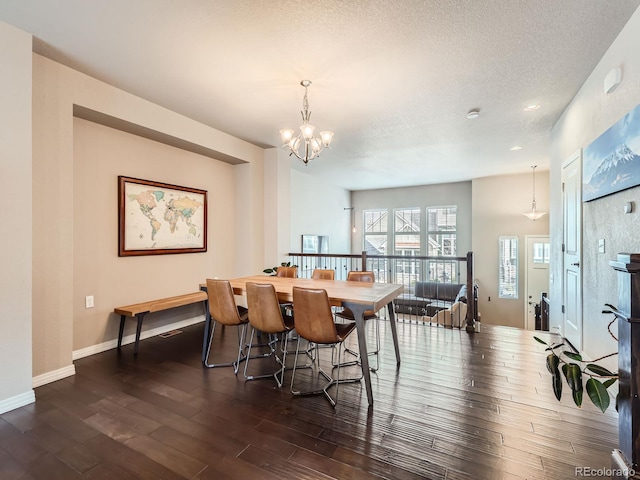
{"points": [[272, 271], [574, 369]]}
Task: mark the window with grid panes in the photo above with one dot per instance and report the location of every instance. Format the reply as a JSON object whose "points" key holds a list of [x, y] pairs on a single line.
{"points": [[406, 240], [441, 242], [375, 231], [508, 267]]}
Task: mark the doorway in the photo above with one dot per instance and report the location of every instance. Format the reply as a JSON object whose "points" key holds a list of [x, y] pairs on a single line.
{"points": [[536, 280]]}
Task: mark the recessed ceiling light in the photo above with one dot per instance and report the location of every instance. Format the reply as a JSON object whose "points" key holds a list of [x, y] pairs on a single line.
{"points": [[475, 113], [530, 108], [516, 147]]}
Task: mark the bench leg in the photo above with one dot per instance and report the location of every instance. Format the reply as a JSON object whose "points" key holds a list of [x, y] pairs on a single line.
{"points": [[121, 332], [140, 317]]}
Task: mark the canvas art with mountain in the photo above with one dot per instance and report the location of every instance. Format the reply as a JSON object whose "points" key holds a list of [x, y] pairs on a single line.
{"points": [[612, 161]]}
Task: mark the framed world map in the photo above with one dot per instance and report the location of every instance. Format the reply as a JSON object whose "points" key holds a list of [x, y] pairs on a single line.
{"points": [[158, 218]]}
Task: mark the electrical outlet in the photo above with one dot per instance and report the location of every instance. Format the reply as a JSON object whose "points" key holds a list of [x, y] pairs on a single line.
{"points": [[88, 301]]}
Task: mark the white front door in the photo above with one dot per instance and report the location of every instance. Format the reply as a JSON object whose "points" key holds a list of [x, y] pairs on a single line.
{"points": [[536, 280], [572, 249]]}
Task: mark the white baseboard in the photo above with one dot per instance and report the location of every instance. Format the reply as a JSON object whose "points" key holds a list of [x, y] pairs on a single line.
{"points": [[127, 339], [17, 401], [53, 376]]}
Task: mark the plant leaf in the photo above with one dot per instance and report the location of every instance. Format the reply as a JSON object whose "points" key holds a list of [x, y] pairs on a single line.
{"points": [[556, 383], [539, 340], [610, 382], [552, 364], [574, 379], [577, 397], [598, 394], [573, 356], [573, 374], [598, 370]]}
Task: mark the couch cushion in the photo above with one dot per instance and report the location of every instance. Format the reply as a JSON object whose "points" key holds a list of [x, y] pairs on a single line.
{"points": [[437, 290]]}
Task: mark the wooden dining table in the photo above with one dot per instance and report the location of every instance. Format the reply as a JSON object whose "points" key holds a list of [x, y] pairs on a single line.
{"points": [[357, 296]]}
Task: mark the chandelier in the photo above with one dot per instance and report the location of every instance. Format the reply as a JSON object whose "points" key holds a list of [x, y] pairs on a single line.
{"points": [[305, 145], [534, 214]]}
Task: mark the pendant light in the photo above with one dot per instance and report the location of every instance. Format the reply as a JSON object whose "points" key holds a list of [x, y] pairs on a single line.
{"points": [[534, 214]]}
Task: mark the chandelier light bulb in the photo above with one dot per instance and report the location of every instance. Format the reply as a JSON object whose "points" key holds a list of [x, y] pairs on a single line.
{"points": [[307, 131], [287, 135], [326, 138]]}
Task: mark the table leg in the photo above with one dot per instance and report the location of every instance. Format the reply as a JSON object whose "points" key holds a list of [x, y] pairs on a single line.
{"points": [[358, 314], [394, 330]]}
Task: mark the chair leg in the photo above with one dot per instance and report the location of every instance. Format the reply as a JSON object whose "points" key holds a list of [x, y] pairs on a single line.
{"points": [[330, 380], [278, 375], [357, 354], [241, 355]]}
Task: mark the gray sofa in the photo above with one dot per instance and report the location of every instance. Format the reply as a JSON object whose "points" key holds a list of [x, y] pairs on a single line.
{"points": [[430, 297]]}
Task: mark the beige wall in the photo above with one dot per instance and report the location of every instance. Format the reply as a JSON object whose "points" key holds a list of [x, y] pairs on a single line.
{"points": [[100, 155], [276, 211], [15, 229], [498, 204], [590, 114], [318, 208], [65, 268]]}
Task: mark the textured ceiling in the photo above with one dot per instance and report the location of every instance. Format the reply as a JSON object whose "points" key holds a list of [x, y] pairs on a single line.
{"points": [[393, 79]]}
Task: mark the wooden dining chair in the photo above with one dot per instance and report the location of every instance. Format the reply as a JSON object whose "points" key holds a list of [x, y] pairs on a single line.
{"points": [[223, 310], [347, 314], [323, 274], [290, 272], [314, 323], [266, 317]]}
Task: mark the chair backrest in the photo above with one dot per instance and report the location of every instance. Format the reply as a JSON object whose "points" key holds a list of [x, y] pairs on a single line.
{"points": [[367, 277], [312, 315], [321, 274], [264, 309], [222, 304], [291, 272]]}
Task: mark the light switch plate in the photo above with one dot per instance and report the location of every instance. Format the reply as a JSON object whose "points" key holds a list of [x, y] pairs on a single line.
{"points": [[601, 245], [88, 301]]}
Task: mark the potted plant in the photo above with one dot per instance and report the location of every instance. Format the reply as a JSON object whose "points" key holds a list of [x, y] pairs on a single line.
{"points": [[272, 271], [575, 369]]}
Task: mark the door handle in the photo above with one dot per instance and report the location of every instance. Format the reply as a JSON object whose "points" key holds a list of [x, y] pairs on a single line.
{"points": [[576, 264]]}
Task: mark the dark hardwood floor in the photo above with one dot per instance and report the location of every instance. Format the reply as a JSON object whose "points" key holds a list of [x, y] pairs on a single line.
{"points": [[460, 406]]}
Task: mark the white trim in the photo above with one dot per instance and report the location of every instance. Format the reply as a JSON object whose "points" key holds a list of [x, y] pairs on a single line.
{"points": [[18, 401], [53, 376], [111, 344]]}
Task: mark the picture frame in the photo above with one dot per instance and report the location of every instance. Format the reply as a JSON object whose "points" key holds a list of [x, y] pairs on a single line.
{"points": [[315, 244], [157, 218], [611, 163]]}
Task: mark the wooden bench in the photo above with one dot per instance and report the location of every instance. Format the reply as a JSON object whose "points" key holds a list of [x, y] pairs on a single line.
{"points": [[140, 310]]}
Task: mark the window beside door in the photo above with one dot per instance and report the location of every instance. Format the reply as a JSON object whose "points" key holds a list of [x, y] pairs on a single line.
{"points": [[508, 267]]}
